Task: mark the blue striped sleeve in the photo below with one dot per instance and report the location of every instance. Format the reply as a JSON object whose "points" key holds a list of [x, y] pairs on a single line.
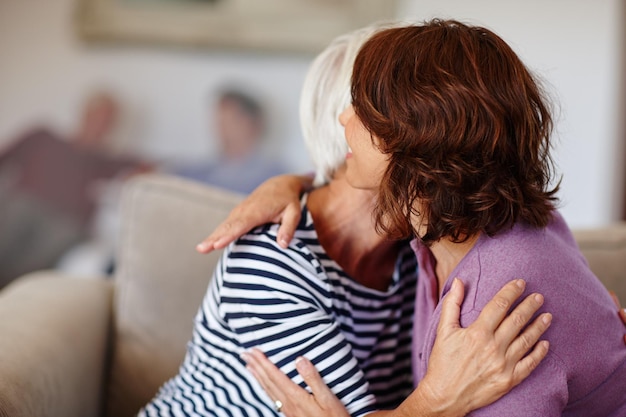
{"points": [[278, 300]]}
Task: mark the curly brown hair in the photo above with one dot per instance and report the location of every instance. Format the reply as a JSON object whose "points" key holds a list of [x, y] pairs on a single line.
{"points": [[466, 127]]}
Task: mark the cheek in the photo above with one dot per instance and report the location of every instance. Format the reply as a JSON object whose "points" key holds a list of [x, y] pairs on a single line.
{"points": [[350, 136]]}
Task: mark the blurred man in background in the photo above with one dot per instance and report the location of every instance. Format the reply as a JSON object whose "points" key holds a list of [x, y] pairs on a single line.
{"points": [[241, 164], [49, 187]]}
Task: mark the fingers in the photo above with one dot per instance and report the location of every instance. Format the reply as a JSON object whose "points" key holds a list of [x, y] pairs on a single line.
{"points": [[262, 374], [615, 299], [451, 307], [276, 384], [289, 223], [621, 312], [498, 307], [513, 324], [276, 200], [528, 364], [322, 395], [229, 230], [242, 219], [529, 337], [296, 401], [313, 379]]}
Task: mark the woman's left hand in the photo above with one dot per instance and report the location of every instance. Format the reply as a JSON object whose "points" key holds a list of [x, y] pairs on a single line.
{"points": [[295, 401]]}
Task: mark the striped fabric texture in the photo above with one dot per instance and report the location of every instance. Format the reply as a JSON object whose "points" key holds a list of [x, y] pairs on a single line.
{"points": [[293, 302]]}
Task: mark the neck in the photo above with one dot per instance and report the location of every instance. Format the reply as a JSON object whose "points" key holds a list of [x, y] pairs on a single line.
{"points": [[345, 228], [447, 256]]}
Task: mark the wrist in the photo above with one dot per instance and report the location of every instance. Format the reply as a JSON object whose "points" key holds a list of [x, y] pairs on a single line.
{"points": [[434, 403], [306, 181]]}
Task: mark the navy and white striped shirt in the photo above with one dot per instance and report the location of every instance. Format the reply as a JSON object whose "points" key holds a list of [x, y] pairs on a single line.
{"points": [[288, 303]]}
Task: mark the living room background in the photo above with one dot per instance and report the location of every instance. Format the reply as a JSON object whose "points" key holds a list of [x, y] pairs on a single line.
{"points": [[577, 46]]}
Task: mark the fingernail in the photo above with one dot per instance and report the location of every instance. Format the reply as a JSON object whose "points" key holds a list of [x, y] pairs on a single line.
{"points": [[202, 246], [245, 357], [520, 283], [252, 371], [282, 242], [538, 298], [547, 319], [302, 363]]}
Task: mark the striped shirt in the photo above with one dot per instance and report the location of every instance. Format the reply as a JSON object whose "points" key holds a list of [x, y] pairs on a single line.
{"points": [[294, 302]]}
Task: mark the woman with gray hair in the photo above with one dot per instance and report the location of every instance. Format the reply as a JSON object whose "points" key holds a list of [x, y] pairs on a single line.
{"points": [[341, 295]]}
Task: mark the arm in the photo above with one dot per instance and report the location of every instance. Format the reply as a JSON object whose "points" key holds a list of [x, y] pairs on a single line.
{"points": [[469, 368], [277, 200], [284, 310]]}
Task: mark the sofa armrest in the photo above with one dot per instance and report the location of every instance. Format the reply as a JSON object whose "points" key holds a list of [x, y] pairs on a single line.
{"points": [[53, 345], [605, 250], [160, 281]]}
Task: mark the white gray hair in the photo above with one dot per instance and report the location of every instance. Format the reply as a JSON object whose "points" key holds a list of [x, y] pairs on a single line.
{"points": [[325, 94]]}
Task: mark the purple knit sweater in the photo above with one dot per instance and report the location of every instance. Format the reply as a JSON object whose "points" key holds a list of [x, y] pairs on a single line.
{"points": [[584, 373]]}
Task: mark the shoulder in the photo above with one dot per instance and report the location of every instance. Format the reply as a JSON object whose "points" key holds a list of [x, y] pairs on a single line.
{"points": [[551, 264], [533, 251], [34, 138], [258, 253], [255, 271], [547, 259], [263, 238]]}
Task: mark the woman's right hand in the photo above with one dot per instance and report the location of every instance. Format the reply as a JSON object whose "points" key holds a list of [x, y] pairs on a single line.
{"points": [[491, 356], [277, 200]]}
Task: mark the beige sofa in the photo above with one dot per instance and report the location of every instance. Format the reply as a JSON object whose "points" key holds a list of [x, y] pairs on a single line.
{"points": [[72, 347]]}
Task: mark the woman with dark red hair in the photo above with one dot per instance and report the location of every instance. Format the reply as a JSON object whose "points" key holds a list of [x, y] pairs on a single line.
{"points": [[453, 132]]}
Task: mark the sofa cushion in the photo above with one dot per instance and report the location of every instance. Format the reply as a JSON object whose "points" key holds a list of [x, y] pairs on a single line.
{"points": [[160, 282]]}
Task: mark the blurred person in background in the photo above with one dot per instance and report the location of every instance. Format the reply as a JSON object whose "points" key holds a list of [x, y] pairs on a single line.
{"points": [[49, 187], [241, 164]]}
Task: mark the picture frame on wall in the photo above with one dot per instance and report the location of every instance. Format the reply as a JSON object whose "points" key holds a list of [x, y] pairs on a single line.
{"points": [[267, 25]]}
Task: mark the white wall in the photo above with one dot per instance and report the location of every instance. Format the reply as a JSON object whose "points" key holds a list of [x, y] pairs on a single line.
{"points": [[574, 44]]}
